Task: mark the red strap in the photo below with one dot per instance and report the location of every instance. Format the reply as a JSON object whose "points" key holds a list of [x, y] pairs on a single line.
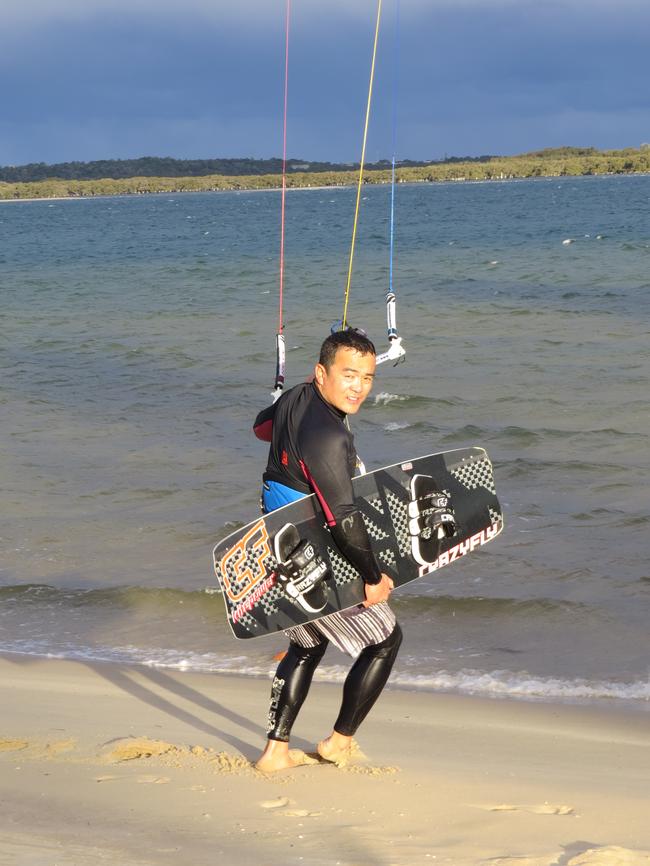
{"points": [[331, 521]]}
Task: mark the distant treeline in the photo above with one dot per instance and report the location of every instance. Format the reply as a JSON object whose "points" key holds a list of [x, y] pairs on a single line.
{"points": [[552, 162], [156, 166]]}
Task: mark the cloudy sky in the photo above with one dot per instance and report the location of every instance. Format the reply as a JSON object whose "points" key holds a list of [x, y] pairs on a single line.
{"points": [[97, 79]]}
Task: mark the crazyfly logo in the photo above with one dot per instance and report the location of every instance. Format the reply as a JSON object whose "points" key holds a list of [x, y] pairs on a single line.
{"points": [[463, 548], [242, 567]]}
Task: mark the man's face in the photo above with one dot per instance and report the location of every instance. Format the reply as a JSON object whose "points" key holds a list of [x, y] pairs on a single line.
{"points": [[348, 381]]}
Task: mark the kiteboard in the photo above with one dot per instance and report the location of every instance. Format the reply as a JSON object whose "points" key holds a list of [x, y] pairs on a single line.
{"points": [[284, 568]]}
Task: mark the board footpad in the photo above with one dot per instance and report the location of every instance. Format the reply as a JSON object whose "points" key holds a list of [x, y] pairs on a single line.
{"points": [[431, 516], [301, 571]]}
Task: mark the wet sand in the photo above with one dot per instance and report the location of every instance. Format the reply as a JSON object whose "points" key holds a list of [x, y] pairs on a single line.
{"points": [[127, 765]]}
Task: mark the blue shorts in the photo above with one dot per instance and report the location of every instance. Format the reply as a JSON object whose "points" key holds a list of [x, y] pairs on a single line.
{"points": [[275, 495]]}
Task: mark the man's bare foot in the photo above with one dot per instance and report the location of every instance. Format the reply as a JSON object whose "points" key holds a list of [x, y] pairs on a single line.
{"points": [[278, 756], [336, 748]]}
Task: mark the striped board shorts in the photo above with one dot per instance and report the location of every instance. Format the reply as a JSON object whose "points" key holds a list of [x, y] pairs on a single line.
{"points": [[351, 631]]}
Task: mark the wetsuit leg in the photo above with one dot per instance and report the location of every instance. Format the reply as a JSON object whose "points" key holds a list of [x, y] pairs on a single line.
{"points": [[290, 686], [365, 682]]}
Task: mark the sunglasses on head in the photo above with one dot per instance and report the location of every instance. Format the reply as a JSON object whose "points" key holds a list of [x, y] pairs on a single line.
{"points": [[338, 326]]}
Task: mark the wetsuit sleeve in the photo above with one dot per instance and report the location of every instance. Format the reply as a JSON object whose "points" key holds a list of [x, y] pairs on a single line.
{"points": [[263, 426], [325, 464], [351, 537]]}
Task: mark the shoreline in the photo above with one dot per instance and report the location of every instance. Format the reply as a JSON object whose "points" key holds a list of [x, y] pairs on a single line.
{"points": [[144, 767], [329, 187], [92, 197], [637, 705]]}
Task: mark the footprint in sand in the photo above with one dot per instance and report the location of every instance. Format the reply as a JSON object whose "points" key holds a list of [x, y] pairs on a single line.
{"points": [[152, 780], [282, 802], [611, 855], [13, 745], [141, 780], [545, 860], [278, 803], [135, 748], [535, 809], [369, 771], [53, 750]]}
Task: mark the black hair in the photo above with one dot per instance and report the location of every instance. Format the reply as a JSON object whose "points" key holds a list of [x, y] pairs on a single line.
{"points": [[350, 338]]}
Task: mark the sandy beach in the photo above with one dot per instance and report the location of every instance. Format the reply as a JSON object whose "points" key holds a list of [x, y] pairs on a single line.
{"points": [[127, 765]]}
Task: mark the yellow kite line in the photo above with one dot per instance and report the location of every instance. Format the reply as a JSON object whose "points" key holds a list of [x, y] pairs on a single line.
{"points": [[363, 159]]}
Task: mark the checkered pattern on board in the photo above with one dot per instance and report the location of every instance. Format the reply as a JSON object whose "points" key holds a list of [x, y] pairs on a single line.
{"points": [[473, 473], [343, 571], [375, 532], [387, 557], [494, 515], [376, 504], [270, 599]]}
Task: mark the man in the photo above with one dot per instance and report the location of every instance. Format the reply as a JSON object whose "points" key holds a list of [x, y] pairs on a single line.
{"points": [[312, 451]]}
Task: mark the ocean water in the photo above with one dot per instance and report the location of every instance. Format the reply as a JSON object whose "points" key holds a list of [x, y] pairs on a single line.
{"points": [[137, 346]]}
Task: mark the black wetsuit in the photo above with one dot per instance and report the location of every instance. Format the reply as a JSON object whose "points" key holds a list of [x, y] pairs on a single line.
{"points": [[313, 451]]}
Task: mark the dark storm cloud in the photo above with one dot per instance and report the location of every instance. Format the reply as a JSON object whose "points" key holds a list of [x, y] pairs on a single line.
{"points": [[527, 75], [98, 80]]}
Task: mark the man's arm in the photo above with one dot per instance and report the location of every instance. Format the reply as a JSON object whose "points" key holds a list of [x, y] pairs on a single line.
{"points": [[351, 537], [263, 426], [326, 467]]}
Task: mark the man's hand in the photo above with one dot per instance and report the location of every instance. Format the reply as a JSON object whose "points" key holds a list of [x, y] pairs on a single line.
{"points": [[377, 592]]}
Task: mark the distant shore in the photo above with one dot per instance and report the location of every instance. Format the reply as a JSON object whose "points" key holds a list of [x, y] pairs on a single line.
{"points": [[43, 198], [154, 192], [563, 162]]}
